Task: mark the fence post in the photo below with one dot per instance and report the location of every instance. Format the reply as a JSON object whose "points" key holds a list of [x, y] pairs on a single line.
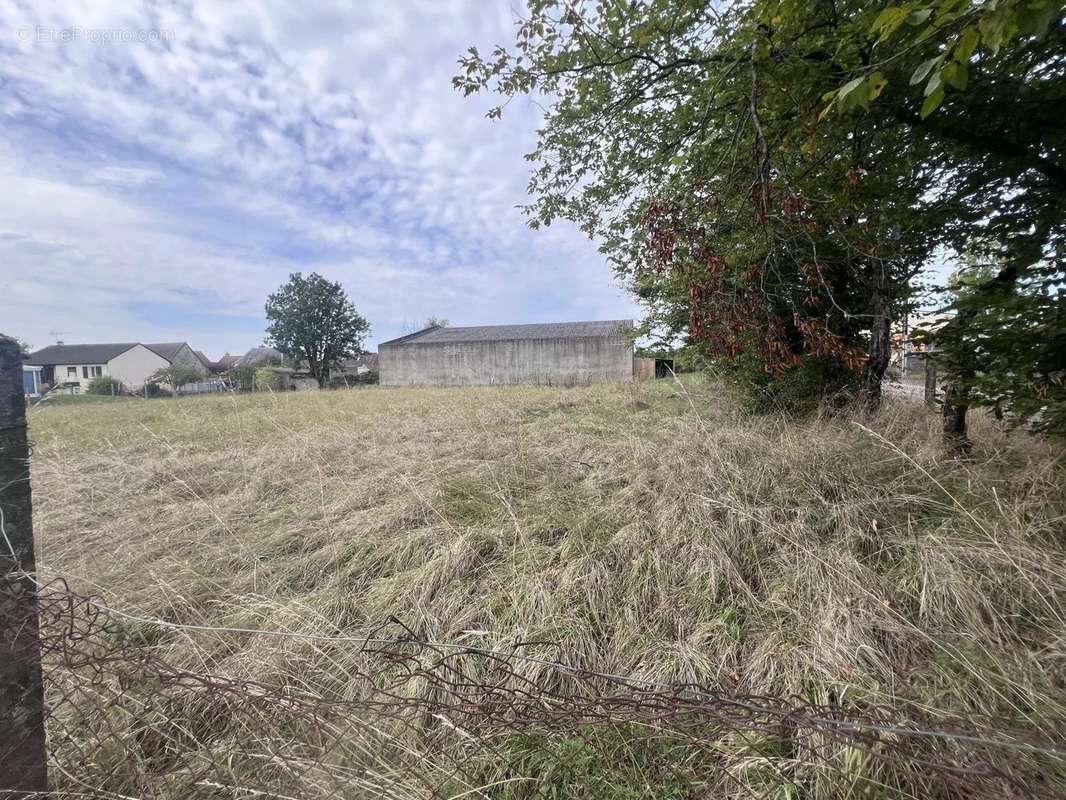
{"points": [[930, 378], [23, 760]]}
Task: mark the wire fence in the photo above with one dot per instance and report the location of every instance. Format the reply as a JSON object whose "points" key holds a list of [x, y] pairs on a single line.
{"points": [[409, 717]]}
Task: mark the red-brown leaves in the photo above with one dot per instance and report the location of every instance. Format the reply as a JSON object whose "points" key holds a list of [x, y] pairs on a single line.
{"points": [[731, 310]]}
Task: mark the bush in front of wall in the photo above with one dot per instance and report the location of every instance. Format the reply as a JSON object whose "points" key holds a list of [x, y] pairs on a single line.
{"points": [[106, 385], [268, 379]]}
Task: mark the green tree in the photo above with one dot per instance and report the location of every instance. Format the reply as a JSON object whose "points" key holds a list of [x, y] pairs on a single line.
{"points": [[770, 176], [311, 319], [983, 81], [690, 141], [1005, 345], [175, 375]]}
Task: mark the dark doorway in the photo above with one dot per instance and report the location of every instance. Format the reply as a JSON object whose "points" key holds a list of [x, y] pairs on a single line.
{"points": [[664, 368]]}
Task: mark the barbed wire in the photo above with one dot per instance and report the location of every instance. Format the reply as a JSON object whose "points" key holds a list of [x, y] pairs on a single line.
{"points": [[462, 704], [452, 714]]}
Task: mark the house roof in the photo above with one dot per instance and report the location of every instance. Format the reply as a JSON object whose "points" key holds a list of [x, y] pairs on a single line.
{"points": [[227, 361], [169, 350], [257, 355], [78, 353], [200, 354], [543, 330]]}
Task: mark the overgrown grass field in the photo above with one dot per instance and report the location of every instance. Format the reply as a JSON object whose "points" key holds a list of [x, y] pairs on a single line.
{"points": [[650, 530]]}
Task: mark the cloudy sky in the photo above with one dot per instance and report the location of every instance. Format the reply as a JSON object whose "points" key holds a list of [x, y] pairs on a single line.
{"points": [[167, 164]]}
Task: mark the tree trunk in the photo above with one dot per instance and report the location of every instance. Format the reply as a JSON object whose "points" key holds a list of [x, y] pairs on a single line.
{"points": [[880, 349], [955, 408]]}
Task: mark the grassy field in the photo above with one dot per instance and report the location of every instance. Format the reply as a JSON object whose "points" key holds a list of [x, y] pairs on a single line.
{"points": [[650, 530]]}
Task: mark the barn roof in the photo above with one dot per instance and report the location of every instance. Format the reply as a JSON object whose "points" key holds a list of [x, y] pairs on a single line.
{"points": [[78, 353], [489, 333]]}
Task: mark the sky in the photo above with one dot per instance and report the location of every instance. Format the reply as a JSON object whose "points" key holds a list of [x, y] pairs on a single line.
{"points": [[166, 165]]}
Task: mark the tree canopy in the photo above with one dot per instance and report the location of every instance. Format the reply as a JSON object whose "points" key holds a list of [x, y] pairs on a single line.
{"points": [[311, 319], [176, 375], [770, 177]]}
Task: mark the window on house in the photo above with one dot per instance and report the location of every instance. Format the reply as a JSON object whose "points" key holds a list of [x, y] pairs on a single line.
{"points": [[72, 372], [96, 372], [85, 372]]}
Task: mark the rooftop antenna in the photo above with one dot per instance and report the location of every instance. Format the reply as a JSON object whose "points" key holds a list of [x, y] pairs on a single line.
{"points": [[56, 334]]}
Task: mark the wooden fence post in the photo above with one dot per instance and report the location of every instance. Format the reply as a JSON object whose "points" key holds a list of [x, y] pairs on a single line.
{"points": [[23, 759]]}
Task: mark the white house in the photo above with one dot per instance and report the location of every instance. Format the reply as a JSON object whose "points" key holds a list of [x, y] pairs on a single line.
{"points": [[75, 365]]}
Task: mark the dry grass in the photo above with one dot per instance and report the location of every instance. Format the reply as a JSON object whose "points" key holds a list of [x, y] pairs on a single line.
{"points": [[648, 530]]}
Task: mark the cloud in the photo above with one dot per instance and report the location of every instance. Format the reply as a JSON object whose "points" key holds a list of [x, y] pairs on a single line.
{"points": [[168, 165]]}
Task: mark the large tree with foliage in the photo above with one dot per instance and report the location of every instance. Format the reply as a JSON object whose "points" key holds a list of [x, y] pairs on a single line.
{"points": [[311, 319], [770, 176], [990, 78]]}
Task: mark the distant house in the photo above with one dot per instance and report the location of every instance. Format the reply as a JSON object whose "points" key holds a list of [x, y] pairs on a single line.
{"points": [[207, 363], [553, 353], [261, 355], [75, 365], [224, 364], [179, 353]]}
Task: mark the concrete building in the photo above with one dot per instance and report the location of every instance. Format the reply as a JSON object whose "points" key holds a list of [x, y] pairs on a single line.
{"points": [[555, 353]]}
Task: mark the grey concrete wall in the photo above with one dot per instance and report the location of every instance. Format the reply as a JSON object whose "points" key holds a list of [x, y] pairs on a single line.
{"points": [[555, 362]]}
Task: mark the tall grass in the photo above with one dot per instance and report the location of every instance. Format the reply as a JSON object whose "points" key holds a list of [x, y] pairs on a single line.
{"points": [[650, 530]]}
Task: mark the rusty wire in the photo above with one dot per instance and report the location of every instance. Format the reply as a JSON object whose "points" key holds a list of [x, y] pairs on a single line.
{"points": [[451, 720]]}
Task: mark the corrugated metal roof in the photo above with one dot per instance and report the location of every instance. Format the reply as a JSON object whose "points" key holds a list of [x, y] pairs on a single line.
{"points": [[490, 333], [78, 353]]}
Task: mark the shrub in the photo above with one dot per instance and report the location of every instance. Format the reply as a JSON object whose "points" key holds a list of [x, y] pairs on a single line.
{"points": [[797, 391], [243, 376], [105, 384], [268, 379]]}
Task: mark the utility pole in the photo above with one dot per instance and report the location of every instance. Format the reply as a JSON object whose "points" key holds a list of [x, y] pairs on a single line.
{"points": [[23, 758]]}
